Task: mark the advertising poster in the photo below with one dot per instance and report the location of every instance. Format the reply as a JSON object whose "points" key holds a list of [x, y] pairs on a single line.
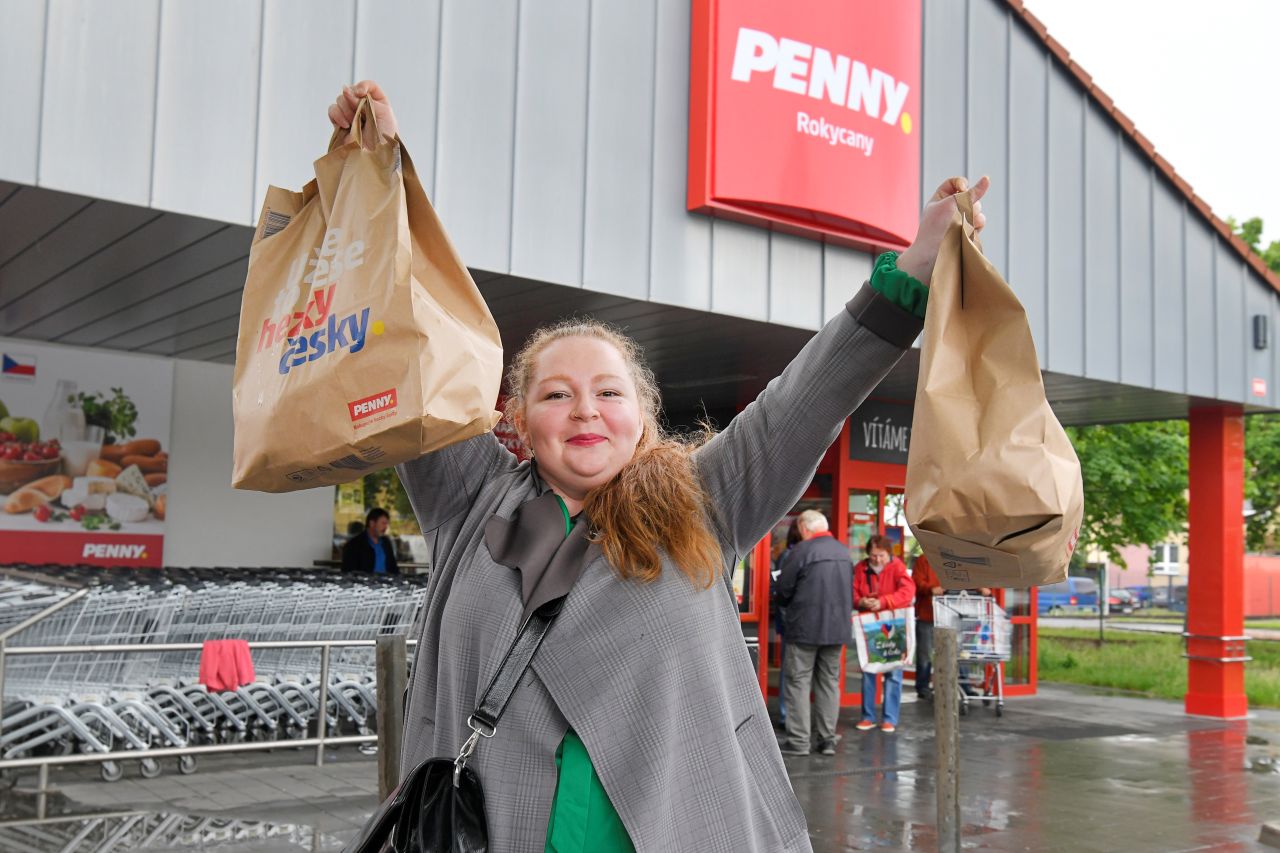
{"points": [[84, 441]]}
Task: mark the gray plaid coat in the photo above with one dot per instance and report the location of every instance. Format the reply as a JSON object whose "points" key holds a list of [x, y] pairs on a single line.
{"points": [[655, 678]]}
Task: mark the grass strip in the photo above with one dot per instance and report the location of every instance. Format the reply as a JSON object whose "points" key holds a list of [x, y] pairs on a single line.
{"points": [[1150, 664]]}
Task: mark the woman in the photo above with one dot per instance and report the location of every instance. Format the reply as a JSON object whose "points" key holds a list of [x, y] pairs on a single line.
{"points": [[881, 582], [640, 723]]}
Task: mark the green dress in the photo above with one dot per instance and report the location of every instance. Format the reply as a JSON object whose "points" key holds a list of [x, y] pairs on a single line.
{"points": [[582, 818]]}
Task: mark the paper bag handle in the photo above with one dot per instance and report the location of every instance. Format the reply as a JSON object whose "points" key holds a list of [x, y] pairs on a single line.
{"points": [[360, 124], [964, 201]]}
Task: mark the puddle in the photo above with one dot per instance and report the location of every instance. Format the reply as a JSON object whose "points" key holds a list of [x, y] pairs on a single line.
{"points": [[1264, 764], [1255, 740]]}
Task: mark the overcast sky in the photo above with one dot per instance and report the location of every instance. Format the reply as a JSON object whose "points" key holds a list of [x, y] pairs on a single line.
{"points": [[1200, 80]]}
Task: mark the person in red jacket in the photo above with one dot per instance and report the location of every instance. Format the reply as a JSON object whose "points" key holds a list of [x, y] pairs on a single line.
{"points": [[881, 582], [927, 586]]}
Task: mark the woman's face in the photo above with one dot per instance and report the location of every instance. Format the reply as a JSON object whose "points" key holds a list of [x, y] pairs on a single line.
{"points": [[582, 414]]}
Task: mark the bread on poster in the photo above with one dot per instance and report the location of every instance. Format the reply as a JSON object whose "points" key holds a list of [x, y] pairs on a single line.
{"points": [[25, 500]]}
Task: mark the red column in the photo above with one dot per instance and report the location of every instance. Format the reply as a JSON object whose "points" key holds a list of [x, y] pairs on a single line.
{"points": [[1215, 590]]}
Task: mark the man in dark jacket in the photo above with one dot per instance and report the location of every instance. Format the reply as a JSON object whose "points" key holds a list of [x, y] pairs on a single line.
{"points": [[816, 590], [370, 550]]}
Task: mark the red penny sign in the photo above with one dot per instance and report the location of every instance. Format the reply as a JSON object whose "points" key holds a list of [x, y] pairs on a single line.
{"points": [[806, 116]]}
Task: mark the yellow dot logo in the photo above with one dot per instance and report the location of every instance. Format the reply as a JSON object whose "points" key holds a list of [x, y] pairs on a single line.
{"points": [[905, 121], [378, 327]]}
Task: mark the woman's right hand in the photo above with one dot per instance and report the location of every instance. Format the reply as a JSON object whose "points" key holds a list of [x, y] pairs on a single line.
{"points": [[343, 111]]}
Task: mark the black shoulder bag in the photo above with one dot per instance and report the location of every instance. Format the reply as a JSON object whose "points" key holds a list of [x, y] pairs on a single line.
{"points": [[439, 807]]}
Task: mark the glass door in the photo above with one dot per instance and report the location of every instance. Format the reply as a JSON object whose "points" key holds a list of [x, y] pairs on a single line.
{"points": [[864, 519]]}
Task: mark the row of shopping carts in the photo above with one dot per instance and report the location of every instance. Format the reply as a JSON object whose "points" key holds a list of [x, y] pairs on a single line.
{"points": [[101, 701], [109, 833]]}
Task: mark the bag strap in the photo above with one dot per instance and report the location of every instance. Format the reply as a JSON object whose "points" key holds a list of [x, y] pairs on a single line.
{"points": [[483, 722]]}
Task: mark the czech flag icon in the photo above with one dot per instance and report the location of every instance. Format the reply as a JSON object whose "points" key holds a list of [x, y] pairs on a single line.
{"points": [[14, 366]]}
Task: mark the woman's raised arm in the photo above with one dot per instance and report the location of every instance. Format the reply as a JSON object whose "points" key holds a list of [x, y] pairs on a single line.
{"points": [[757, 468]]}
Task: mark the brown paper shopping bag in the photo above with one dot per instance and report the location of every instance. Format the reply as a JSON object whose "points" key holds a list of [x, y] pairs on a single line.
{"points": [[363, 340], [994, 493]]}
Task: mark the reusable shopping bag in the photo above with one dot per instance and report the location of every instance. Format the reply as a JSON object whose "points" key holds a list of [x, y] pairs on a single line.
{"points": [[363, 340], [885, 640], [994, 493]]}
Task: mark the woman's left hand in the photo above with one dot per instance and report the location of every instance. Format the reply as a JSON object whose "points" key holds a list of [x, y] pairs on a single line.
{"points": [[918, 260]]}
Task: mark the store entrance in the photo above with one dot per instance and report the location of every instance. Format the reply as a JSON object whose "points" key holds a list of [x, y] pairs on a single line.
{"points": [[861, 497]]}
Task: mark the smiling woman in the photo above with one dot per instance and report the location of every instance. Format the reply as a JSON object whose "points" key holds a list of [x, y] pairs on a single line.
{"points": [[637, 722], [587, 406]]}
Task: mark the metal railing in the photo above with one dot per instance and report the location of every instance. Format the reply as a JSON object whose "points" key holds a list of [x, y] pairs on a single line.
{"points": [[1233, 646], [321, 740]]}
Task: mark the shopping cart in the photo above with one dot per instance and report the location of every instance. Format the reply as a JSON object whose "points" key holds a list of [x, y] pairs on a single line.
{"points": [[983, 637]]}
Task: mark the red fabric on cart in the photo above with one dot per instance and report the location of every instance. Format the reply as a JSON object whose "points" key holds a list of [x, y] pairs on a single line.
{"points": [[225, 664]]}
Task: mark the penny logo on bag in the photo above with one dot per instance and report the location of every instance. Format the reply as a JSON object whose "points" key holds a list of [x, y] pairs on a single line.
{"points": [[383, 401]]}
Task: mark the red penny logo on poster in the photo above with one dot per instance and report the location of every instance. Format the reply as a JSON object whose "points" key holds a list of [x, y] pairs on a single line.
{"points": [[807, 116]]}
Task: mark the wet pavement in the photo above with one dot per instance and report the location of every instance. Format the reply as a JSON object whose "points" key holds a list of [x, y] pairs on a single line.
{"points": [[1069, 770]]}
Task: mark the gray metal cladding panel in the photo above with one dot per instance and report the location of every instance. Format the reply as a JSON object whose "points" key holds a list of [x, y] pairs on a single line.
{"points": [[620, 149], [1170, 294], [398, 44], [36, 315], [94, 53], [1259, 299], [1028, 146], [988, 144], [21, 70], [1274, 349], [223, 351], [214, 320], [1202, 328], [680, 247], [196, 301], [206, 101], [550, 143], [945, 96], [28, 215], [1101, 248], [475, 129], [739, 270], [92, 229], [1066, 227], [307, 48], [1234, 330], [795, 281], [185, 272], [844, 271], [1137, 304]]}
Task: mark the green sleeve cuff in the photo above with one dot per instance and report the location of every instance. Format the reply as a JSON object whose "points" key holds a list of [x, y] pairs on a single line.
{"points": [[897, 286]]}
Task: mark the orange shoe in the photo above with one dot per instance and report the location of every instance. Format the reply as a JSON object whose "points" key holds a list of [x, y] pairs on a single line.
{"points": [[888, 728], [865, 725]]}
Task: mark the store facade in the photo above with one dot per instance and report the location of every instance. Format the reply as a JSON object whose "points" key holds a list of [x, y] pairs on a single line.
{"points": [[556, 144]]}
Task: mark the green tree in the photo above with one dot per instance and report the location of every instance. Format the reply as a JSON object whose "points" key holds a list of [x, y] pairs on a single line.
{"points": [[1262, 477], [383, 488], [1135, 483], [1251, 232]]}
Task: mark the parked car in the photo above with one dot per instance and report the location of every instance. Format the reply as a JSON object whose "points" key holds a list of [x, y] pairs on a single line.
{"points": [[1073, 595], [1121, 601], [1141, 594], [1160, 598]]}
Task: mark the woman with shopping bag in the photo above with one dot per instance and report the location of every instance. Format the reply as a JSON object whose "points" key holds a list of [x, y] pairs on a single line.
{"points": [[580, 652]]}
